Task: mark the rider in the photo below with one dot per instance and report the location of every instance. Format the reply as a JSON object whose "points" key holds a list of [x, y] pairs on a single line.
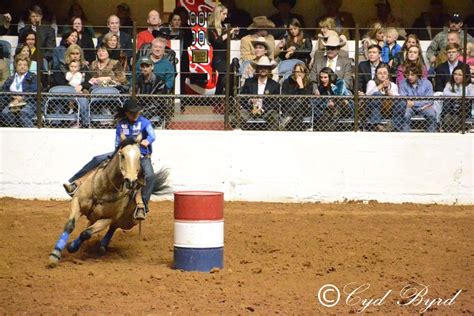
{"points": [[131, 123]]}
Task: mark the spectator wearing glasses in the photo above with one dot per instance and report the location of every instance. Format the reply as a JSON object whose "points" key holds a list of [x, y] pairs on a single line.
{"points": [[21, 110], [340, 65], [439, 42]]}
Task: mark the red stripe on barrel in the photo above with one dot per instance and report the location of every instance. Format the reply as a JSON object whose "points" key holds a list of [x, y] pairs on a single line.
{"points": [[198, 205]]}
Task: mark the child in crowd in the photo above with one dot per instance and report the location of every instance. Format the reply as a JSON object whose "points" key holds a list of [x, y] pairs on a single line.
{"points": [[469, 55], [74, 77], [391, 47]]}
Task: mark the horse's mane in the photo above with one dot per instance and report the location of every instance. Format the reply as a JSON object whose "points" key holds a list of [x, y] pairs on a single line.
{"points": [[127, 141]]}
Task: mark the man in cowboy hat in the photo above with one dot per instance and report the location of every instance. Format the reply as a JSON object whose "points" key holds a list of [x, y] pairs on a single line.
{"points": [[340, 65], [283, 16], [258, 28], [261, 84]]}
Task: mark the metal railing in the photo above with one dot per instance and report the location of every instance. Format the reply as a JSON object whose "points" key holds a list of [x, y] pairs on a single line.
{"points": [[231, 110]]}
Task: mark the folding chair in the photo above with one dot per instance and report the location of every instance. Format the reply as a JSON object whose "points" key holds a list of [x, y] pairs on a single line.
{"points": [[104, 104], [61, 108]]}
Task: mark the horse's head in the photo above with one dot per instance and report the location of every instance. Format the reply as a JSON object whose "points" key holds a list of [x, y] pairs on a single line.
{"points": [[129, 159]]}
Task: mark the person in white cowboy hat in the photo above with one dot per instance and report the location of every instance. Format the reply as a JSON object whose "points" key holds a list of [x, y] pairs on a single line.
{"points": [[341, 66], [261, 84], [258, 28], [261, 48]]}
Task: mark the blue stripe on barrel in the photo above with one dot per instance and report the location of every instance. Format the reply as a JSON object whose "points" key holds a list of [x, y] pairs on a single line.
{"points": [[199, 230], [198, 259]]}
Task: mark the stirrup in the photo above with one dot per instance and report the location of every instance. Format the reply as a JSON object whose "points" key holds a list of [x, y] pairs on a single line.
{"points": [[139, 214], [71, 188]]}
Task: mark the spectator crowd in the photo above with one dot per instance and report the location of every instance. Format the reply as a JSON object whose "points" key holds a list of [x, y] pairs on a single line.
{"points": [[278, 57]]}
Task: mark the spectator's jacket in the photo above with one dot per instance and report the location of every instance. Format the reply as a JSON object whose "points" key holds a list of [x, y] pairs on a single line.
{"points": [[29, 84], [141, 125], [439, 43], [343, 70], [144, 37], [442, 74], [365, 74], [155, 85], [422, 88], [291, 87], [389, 54], [271, 88], [303, 51], [125, 43]]}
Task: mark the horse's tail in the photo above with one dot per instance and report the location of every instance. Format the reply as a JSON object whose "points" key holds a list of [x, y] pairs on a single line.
{"points": [[161, 178]]}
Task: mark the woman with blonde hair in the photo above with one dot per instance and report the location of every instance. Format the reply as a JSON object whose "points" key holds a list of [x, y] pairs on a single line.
{"points": [[217, 37], [73, 53], [375, 35], [112, 42]]}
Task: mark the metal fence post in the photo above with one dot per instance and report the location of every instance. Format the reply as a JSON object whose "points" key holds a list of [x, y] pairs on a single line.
{"points": [[356, 79], [227, 82], [134, 61], [463, 98], [39, 92]]}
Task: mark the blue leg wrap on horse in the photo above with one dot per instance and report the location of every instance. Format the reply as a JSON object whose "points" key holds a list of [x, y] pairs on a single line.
{"points": [[61, 243], [74, 245], [106, 240]]}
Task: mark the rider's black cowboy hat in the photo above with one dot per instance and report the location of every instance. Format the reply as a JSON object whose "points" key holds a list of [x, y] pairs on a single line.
{"points": [[132, 106]]}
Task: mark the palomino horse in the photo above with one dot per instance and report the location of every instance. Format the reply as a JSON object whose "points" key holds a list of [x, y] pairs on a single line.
{"points": [[108, 197]]}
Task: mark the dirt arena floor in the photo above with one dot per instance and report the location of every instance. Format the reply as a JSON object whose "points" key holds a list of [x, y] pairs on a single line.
{"points": [[277, 258]]}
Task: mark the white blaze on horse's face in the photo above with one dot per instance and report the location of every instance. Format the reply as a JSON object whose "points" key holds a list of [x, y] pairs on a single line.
{"points": [[130, 162]]}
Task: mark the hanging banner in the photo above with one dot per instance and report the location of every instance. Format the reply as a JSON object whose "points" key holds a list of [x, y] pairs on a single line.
{"points": [[201, 79]]}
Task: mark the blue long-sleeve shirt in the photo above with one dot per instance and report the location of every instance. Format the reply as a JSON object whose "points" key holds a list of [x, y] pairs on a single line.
{"points": [[422, 88], [141, 125], [388, 54]]}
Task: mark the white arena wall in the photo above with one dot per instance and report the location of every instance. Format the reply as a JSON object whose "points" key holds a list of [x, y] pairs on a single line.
{"points": [[259, 166]]}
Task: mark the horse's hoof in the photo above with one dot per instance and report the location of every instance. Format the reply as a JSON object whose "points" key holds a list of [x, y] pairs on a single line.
{"points": [[54, 257], [71, 248], [102, 250]]}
